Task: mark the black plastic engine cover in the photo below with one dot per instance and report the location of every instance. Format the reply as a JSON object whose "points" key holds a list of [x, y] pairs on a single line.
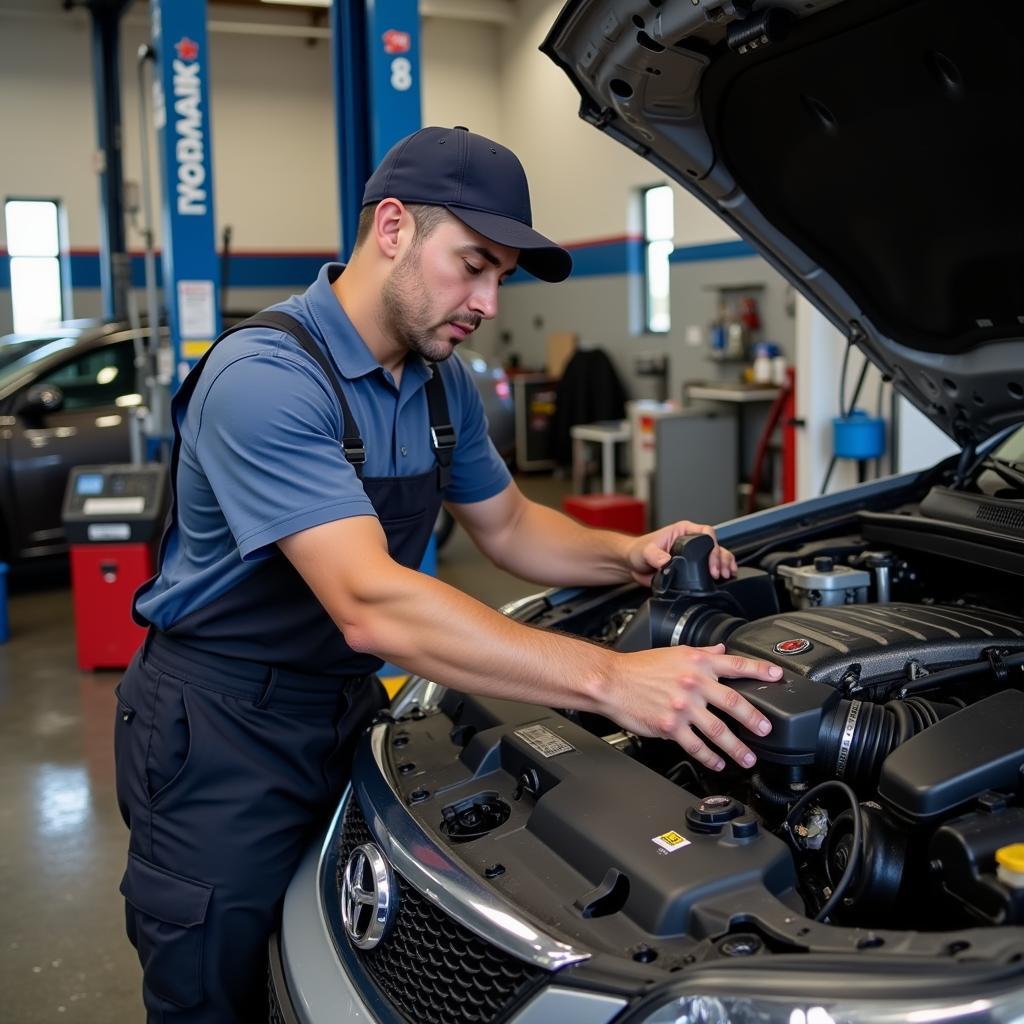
{"points": [[580, 809], [957, 759], [881, 638]]}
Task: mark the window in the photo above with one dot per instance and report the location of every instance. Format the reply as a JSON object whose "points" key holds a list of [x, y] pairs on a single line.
{"points": [[33, 248], [105, 376], [659, 230]]}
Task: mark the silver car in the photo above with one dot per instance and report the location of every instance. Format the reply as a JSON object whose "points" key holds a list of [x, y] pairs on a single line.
{"points": [[495, 861]]}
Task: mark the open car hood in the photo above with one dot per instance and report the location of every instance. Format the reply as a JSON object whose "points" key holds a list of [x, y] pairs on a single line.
{"points": [[869, 149]]}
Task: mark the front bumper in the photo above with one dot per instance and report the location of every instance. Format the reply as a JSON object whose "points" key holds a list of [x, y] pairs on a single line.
{"points": [[310, 983]]}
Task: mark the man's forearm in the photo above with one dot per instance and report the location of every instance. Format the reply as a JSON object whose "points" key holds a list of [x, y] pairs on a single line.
{"points": [[436, 631]]}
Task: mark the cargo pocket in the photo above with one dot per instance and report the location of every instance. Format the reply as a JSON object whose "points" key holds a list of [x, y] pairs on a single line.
{"points": [[165, 914]]}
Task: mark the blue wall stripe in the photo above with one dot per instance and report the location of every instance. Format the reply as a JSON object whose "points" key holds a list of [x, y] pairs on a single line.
{"points": [[735, 249], [298, 270], [246, 270]]}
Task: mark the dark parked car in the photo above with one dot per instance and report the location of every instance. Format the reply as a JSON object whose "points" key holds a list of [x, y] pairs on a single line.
{"points": [[500, 861], [65, 400]]}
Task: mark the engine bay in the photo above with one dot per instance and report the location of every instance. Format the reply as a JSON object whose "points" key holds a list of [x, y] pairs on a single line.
{"points": [[885, 810], [893, 768]]}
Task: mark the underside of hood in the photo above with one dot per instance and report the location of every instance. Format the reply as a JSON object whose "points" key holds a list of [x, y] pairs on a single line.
{"points": [[869, 149]]}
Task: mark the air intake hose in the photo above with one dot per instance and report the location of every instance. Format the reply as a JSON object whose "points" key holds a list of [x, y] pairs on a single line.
{"points": [[856, 737]]}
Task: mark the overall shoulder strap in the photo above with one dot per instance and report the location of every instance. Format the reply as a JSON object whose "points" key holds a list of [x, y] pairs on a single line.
{"points": [[351, 442], [442, 433]]}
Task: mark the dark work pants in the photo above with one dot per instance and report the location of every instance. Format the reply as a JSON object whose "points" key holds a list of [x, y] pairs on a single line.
{"points": [[223, 780]]}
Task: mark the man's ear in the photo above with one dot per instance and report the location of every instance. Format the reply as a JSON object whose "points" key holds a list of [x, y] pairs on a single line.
{"points": [[388, 220]]}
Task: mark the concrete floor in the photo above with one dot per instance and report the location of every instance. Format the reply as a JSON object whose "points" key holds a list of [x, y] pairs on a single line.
{"points": [[63, 952]]}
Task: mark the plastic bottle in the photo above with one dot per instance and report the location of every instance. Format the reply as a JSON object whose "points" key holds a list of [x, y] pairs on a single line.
{"points": [[762, 364]]}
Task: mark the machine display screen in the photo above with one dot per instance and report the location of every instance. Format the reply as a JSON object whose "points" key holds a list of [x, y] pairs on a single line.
{"points": [[89, 483]]}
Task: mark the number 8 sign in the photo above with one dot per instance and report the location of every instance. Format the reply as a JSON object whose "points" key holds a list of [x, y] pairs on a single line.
{"points": [[401, 74]]}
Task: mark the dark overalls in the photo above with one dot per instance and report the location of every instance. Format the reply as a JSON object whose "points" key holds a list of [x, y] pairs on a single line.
{"points": [[233, 740]]}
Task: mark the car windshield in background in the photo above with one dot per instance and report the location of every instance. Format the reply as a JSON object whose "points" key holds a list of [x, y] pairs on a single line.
{"points": [[1012, 449], [17, 355]]}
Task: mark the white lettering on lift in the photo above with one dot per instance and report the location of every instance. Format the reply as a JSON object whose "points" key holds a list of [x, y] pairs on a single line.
{"points": [[190, 146]]}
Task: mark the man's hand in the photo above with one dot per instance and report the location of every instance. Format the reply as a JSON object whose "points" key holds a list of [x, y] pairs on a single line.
{"points": [[649, 553], [669, 691]]}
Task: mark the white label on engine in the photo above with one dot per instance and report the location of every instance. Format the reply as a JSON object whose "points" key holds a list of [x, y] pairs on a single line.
{"points": [[544, 741], [670, 841]]}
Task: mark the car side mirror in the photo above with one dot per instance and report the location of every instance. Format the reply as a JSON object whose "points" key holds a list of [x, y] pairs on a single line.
{"points": [[41, 399]]}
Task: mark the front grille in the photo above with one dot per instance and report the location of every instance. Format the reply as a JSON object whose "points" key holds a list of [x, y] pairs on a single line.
{"points": [[431, 968]]}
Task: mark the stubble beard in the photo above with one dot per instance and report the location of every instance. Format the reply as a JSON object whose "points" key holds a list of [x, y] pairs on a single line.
{"points": [[406, 312]]}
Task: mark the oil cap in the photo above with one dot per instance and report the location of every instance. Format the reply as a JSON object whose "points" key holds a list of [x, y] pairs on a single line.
{"points": [[1010, 865], [711, 814]]}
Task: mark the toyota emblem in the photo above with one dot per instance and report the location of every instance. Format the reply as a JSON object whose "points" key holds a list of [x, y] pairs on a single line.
{"points": [[369, 896], [793, 646]]}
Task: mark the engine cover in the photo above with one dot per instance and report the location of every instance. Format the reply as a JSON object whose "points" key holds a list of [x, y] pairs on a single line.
{"points": [[600, 833], [823, 644]]}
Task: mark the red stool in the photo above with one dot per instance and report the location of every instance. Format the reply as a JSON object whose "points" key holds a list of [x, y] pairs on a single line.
{"points": [[608, 511]]}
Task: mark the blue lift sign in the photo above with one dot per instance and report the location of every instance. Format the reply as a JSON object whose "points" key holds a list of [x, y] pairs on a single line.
{"points": [[182, 115], [393, 46]]}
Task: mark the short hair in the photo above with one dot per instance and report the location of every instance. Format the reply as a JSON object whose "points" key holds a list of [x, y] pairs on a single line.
{"points": [[426, 218]]}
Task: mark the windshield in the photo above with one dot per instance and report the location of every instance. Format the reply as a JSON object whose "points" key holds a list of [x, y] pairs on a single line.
{"points": [[1012, 449], [17, 355]]}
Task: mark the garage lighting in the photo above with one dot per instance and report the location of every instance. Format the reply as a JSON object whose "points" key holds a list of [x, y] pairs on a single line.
{"points": [[106, 375], [33, 250], [127, 401]]}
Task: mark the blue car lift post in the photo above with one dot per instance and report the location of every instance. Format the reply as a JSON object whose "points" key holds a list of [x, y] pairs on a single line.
{"points": [[181, 102], [376, 64]]}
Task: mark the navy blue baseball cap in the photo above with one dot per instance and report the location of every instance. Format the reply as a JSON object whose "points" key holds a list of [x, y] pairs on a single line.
{"points": [[477, 180]]}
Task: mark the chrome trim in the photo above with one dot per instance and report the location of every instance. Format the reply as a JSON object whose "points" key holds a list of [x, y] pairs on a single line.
{"points": [[354, 983], [430, 869], [369, 897], [513, 608], [417, 692], [569, 1004]]}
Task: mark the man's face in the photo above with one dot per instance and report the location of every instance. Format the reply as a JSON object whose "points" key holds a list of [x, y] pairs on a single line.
{"points": [[443, 286]]}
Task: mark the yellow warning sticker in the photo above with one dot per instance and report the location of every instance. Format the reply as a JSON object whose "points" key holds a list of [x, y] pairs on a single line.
{"points": [[670, 841]]}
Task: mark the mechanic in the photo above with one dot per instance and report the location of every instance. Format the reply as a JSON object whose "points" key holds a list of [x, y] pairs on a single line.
{"points": [[313, 447]]}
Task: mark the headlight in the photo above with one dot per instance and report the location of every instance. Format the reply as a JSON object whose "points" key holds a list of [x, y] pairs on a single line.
{"points": [[1003, 1008]]}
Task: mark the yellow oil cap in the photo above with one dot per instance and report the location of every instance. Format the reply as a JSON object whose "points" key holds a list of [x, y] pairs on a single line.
{"points": [[1011, 857]]}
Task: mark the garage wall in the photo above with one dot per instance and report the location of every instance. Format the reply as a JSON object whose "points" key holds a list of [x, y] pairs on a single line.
{"points": [[274, 161], [582, 181], [272, 134], [585, 193]]}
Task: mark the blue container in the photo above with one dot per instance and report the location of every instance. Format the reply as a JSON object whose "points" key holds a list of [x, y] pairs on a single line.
{"points": [[5, 628], [858, 436]]}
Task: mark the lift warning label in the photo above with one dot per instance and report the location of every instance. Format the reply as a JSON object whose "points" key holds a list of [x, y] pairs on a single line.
{"points": [[544, 741]]}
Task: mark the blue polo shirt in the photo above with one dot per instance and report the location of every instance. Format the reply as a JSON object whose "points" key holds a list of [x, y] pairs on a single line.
{"points": [[260, 459]]}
